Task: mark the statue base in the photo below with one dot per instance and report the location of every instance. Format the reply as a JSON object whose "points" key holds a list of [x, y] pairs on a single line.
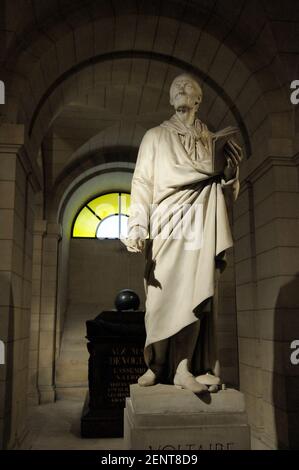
{"points": [[164, 417]]}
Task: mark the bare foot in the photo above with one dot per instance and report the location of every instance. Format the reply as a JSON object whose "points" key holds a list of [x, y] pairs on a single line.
{"points": [[188, 382], [147, 379], [208, 379]]}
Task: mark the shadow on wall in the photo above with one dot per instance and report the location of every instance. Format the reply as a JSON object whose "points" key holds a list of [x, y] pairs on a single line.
{"points": [[286, 382], [6, 371]]}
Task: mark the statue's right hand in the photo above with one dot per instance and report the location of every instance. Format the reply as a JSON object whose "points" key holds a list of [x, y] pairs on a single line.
{"points": [[135, 242], [135, 246]]}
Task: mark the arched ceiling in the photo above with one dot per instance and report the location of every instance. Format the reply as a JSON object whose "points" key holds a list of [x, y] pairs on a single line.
{"points": [[50, 38], [113, 103], [92, 75], [34, 25]]}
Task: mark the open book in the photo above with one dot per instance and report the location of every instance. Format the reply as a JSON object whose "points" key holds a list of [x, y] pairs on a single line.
{"points": [[219, 140]]}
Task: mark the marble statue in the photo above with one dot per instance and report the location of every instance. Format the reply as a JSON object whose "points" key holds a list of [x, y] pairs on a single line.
{"points": [[178, 218]]}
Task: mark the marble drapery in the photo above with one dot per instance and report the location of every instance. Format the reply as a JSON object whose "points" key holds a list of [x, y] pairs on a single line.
{"points": [[175, 170]]}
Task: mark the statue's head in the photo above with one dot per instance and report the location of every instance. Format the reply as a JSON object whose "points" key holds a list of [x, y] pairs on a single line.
{"points": [[185, 92]]}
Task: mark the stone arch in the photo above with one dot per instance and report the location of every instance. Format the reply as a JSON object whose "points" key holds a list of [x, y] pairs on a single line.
{"points": [[211, 51], [178, 63], [96, 167]]}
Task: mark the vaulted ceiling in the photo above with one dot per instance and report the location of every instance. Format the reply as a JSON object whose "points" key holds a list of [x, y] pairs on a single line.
{"points": [[86, 75]]}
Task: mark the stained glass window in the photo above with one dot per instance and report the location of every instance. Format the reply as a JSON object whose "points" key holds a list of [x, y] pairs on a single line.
{"points": [[105, 216]]}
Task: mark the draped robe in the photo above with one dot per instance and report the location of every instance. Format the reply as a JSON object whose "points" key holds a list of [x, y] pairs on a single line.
{"points": [[176, 167]]}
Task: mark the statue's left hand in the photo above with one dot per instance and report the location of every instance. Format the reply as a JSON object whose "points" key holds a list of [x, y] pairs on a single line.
{"points": [[234, 155]]}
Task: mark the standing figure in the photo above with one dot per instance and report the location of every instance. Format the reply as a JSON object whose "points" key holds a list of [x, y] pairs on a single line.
{"points": [[178, 217]]}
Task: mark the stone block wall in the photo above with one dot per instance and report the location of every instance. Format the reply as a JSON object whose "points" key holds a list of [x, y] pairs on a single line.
{"points": [[16, 227], [266, 227]]}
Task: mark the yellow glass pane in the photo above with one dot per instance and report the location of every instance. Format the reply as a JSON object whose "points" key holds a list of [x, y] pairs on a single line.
{"points": [[105, 205], [125, 201], [86, 224]]}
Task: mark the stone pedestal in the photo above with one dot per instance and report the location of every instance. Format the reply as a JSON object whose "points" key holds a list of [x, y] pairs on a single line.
{"points": [[164, 417]]}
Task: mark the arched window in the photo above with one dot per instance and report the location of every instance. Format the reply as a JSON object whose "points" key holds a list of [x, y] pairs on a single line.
{"points": [[105, 216]]}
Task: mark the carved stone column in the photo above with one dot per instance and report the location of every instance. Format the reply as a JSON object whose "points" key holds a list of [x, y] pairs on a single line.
{"points": [[40, 227], [48, 314]]}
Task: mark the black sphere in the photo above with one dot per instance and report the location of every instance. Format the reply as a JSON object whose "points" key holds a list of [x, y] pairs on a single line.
{"points": [[127, 299]]}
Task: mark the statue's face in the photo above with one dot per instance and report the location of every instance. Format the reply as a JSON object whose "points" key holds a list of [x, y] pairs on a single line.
{"points": [[185, 93]]}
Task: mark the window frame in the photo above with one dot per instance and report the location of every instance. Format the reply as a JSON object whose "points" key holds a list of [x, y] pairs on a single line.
{"points": [[85, 205]]}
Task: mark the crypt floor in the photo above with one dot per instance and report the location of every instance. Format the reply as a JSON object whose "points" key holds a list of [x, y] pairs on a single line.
{"points": [[56, 426]]}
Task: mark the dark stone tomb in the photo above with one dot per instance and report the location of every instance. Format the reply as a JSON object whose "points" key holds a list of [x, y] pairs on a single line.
{"points": [[116, 342]]}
